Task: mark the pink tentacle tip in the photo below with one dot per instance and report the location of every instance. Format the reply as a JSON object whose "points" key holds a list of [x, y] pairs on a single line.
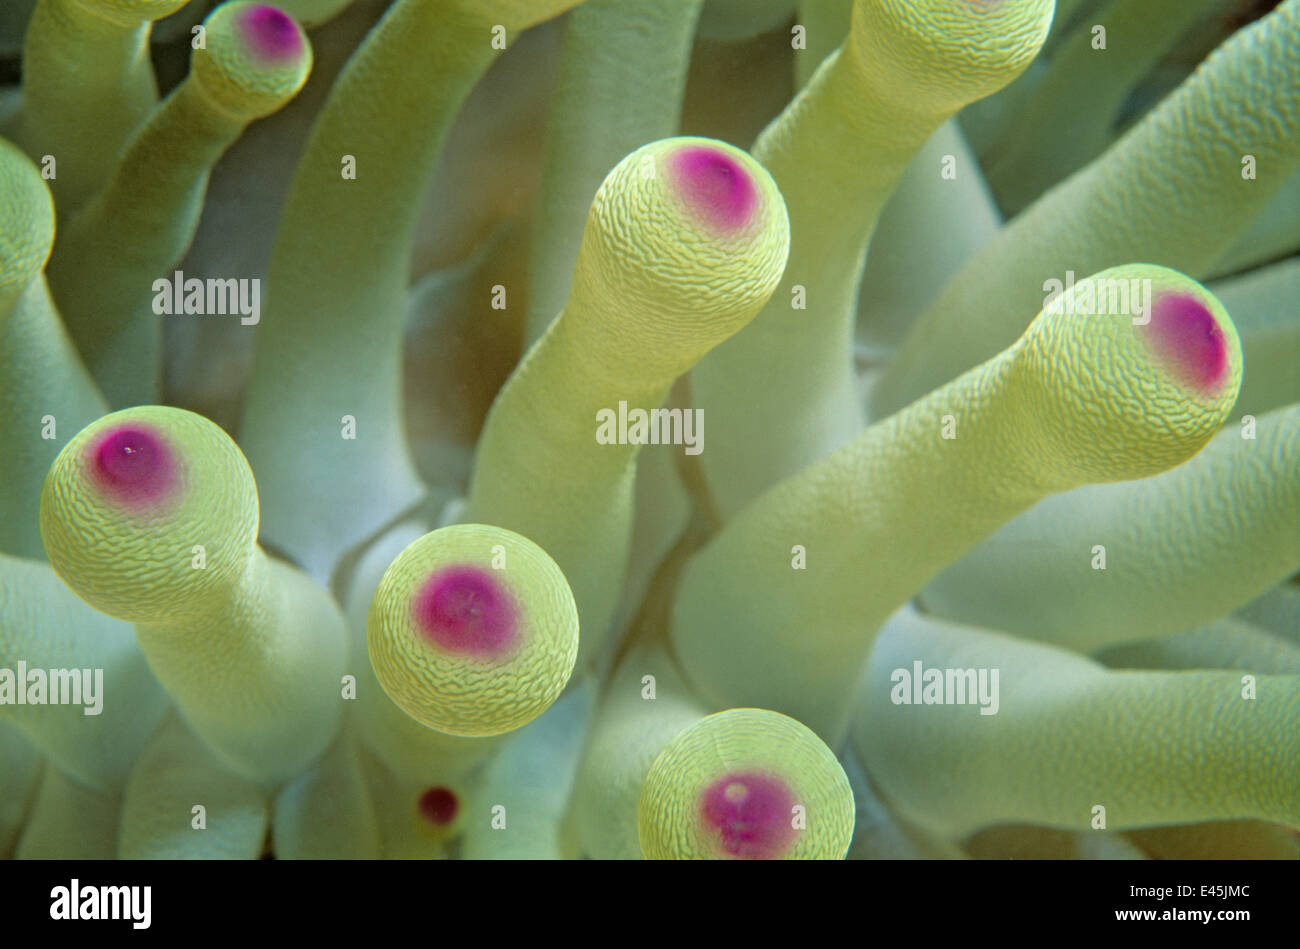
{"points": [[439, 806], [271, 33], [715, 185], [133, 465], [1189, 340], [751, 814], [466, 610]]}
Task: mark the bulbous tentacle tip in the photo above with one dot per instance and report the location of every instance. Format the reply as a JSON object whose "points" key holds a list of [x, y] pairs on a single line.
{"points": [[127, 499], [473, 630], [256, 58], [952, 51], [686, 240], [1154, 368], [26, 222], [746, 784]]}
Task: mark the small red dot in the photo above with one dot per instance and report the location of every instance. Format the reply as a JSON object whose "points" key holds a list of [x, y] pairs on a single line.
{"points": [[439, 806]]}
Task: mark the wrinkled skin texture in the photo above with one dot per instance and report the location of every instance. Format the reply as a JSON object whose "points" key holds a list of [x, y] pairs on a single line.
{"points": [[478, 224]]}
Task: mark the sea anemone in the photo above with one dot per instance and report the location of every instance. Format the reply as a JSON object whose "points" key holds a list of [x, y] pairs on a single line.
{"points": [[355, 364]]}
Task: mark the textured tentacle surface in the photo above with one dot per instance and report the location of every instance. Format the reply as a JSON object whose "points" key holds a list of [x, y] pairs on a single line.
{"points": [[780, 394], [150, 515], [684, 243], [746, 784], [108, 267], [88, 83], [1081, 397], [1151, 748], [406, 747], [43, 385], [336, 289], [1211, 535], [1115, 210], [473, 630]]}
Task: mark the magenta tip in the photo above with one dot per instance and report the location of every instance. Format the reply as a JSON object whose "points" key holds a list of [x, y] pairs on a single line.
{"points": [[751, 815], [466, 610], [271, 32], [716, 185], [1189, 340], [133, 465]]}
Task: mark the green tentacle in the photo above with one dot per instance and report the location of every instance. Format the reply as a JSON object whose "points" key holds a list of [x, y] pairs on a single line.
{"points": [[150, 515], [1078, 399], [1069, 736], [1115, 210], [114, 262], [1209, 536], [336, 289], [782, 394]]}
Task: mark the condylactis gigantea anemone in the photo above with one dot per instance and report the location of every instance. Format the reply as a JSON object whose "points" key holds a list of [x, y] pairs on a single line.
{"points": [[357, 497]]}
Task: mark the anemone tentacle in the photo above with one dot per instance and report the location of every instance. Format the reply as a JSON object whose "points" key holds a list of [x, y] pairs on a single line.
{"points": [[826, 23], [1114, 210], [531, 779], [627, 734], [43, 384], [70, 821], [150, 515], [685, 241], [1027, 163], [504, 594], [336, 288], [326, 813], [88, 83], [412, 751], [96, 739], [1211, 535], [20, 776], [746, 784], [608, 101], [1151, 748], [1229, 643], [473, 630], [1079, 398], [781, 393], [138, 227]]}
